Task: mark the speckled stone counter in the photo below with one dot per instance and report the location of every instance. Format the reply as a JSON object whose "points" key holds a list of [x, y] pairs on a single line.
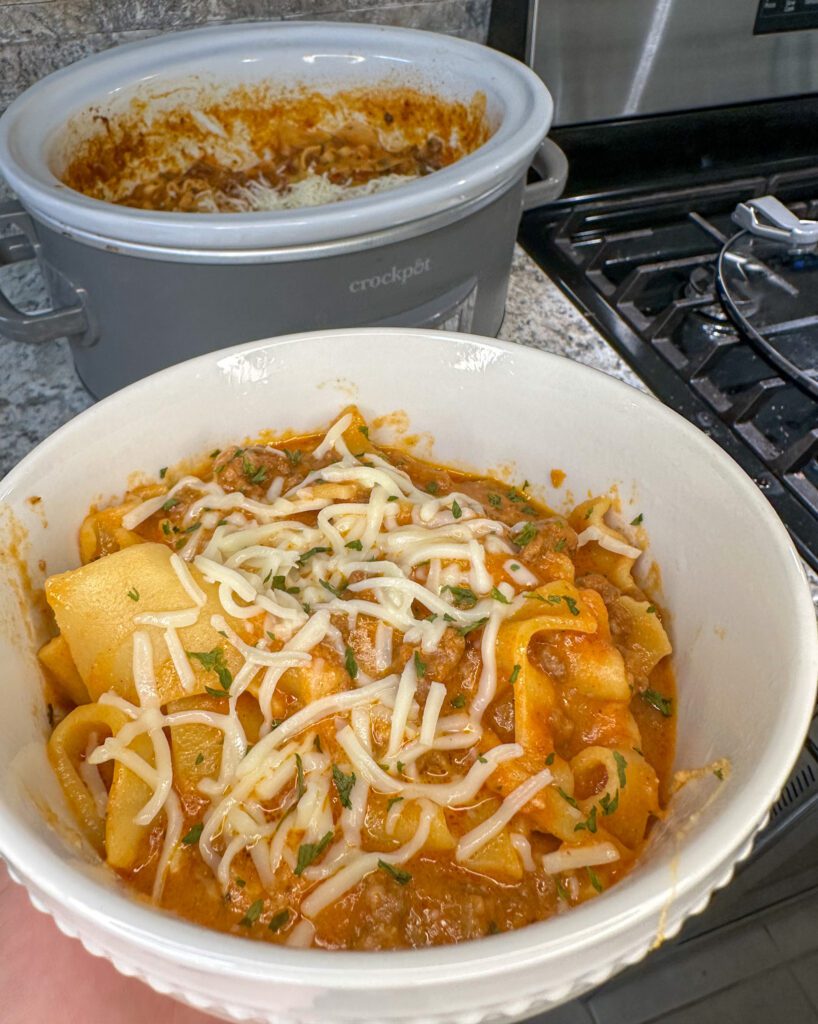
{"points": [[39, 389]]}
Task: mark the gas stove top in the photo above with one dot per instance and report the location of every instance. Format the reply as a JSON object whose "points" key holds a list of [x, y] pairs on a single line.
{"points": [[643, 268], [636, 246]]}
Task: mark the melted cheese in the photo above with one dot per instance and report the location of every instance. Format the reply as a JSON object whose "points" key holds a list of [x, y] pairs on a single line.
{"points": [[569, 858], [475, 840]]}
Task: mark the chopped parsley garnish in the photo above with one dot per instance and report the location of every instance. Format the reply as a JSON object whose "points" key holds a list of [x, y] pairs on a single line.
{"points": [[465, 630], [483, 760], [589, 513], [171, 503], [308, 554], [420, 665], [457, 511], [192, 528], [589, 823], [300, 785], [215, 452], [663, 704], [433, 487], [514, 673], [550, 759], [401, 877], [637, 520], [651, 609], [166, 527], [280, 583], [354, 545], [719, 773], [392, 801], [277, 921], [199, 758], [194, 835], [213, 661], [572, 604], [568, 798], [162, 472], [459, 701], [464, 597], [308, 852], [335, 591], [526, 535], [253, 913], [498, 595], [213, 692], [560, 545], [533, 596], [350, 664], [514, 567], [344, 784], [399, 769], [495, 500], [609, 803], [562, 892], [393, 497], [254, 474], [595, 882], [512, 495], [240, 883], [133, 594], [293, 457], [364, 431], [621, 765], [529, 510]]}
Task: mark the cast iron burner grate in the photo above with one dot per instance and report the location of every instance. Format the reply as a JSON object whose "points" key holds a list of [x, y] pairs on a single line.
{"points": [[643, 269]]}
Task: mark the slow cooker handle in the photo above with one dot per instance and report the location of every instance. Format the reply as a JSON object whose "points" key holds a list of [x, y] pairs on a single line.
{"points": [[15, 324], [552, 166]]}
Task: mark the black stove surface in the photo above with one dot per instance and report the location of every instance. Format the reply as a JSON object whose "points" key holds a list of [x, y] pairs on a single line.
{"points": [[643, 268]]}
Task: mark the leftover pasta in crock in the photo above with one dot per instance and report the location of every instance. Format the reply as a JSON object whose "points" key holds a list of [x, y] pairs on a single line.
{"points": [[254, 148], [321, 693]]}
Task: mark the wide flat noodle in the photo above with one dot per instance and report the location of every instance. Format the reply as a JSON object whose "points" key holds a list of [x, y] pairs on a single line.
{"points": [[55, 656], [628, 796], [96, 617], [66, 750], [125, 840], [592, 557]]}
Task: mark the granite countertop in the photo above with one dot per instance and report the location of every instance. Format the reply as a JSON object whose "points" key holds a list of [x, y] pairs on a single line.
{"points": [[39, 390]]}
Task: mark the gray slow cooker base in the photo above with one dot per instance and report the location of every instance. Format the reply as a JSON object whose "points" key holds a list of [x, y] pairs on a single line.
{"points": [[146, 313]]}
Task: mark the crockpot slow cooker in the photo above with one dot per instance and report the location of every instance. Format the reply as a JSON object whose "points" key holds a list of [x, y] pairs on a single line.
{"points": [[136, 290]]}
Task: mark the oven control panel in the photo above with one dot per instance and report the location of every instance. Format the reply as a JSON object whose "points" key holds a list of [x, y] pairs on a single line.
{"points": [[785, 16]]}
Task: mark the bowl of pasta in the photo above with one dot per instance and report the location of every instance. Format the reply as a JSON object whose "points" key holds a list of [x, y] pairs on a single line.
{"points": [[377, 675]]}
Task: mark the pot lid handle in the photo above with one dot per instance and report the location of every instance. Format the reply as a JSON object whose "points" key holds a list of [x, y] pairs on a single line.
{"points": [[770, 218]]}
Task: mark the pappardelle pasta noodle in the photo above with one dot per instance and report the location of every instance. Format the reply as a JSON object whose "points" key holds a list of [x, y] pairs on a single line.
{"points": [[324, 694]]}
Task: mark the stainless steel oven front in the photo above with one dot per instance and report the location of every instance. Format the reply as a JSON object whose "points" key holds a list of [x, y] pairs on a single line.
{"points": [[608, 59]]}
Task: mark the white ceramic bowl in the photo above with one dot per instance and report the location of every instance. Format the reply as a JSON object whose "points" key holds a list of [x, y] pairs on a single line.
{"points": [[742, 625]]}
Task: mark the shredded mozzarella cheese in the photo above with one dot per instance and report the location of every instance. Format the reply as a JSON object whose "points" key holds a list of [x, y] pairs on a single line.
{"points": [[569, 858], [605, 540]]}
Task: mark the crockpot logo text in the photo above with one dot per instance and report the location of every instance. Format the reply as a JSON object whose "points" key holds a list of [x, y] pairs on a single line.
{"points": [[396, 275]]}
